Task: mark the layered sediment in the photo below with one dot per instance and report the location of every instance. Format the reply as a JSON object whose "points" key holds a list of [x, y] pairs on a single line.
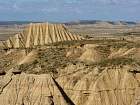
{"points": [[39, 34]]}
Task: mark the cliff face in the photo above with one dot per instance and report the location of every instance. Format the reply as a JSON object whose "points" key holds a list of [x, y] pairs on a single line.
{"points": [[113, 86], [30, 90], [40, 34]]}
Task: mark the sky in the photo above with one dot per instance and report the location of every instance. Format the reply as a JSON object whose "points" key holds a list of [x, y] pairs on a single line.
{"points": [[69, 10]]}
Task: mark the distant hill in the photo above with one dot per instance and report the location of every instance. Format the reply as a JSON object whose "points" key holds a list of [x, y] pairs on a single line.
{"points": [[84, 22], [15, 22]]}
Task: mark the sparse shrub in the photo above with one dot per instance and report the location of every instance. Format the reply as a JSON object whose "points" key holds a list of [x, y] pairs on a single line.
{"points": [[116, 62]]}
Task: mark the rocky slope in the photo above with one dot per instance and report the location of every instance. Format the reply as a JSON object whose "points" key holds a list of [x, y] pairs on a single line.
{"points": [[79, 85], [39, 34], [68, 76], [89, 72]]}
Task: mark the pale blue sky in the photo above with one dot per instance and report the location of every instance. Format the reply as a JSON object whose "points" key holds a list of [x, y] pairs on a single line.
{"points": [[67, 10]]}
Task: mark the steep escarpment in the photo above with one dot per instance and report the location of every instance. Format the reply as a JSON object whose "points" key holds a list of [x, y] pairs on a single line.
{"points": [[79, 86], [39, 34], [114, 86], [32, 90]]}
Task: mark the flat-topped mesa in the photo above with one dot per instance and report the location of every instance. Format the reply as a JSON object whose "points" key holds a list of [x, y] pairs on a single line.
{"points": [[40, 34]]}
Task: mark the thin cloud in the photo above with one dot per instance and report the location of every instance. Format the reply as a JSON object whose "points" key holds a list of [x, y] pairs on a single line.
{"points": [[69, 9], [50, 10]]}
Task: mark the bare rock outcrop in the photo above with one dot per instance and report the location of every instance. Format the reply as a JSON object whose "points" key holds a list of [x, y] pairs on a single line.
{"points": [[115, 86], [91, 54], [80, 86], [39, 34], [23, 89]]}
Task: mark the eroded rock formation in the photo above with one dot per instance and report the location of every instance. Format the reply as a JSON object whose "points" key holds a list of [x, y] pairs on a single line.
{"points": [[113, 86], [40, 34], [64, 76]]}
